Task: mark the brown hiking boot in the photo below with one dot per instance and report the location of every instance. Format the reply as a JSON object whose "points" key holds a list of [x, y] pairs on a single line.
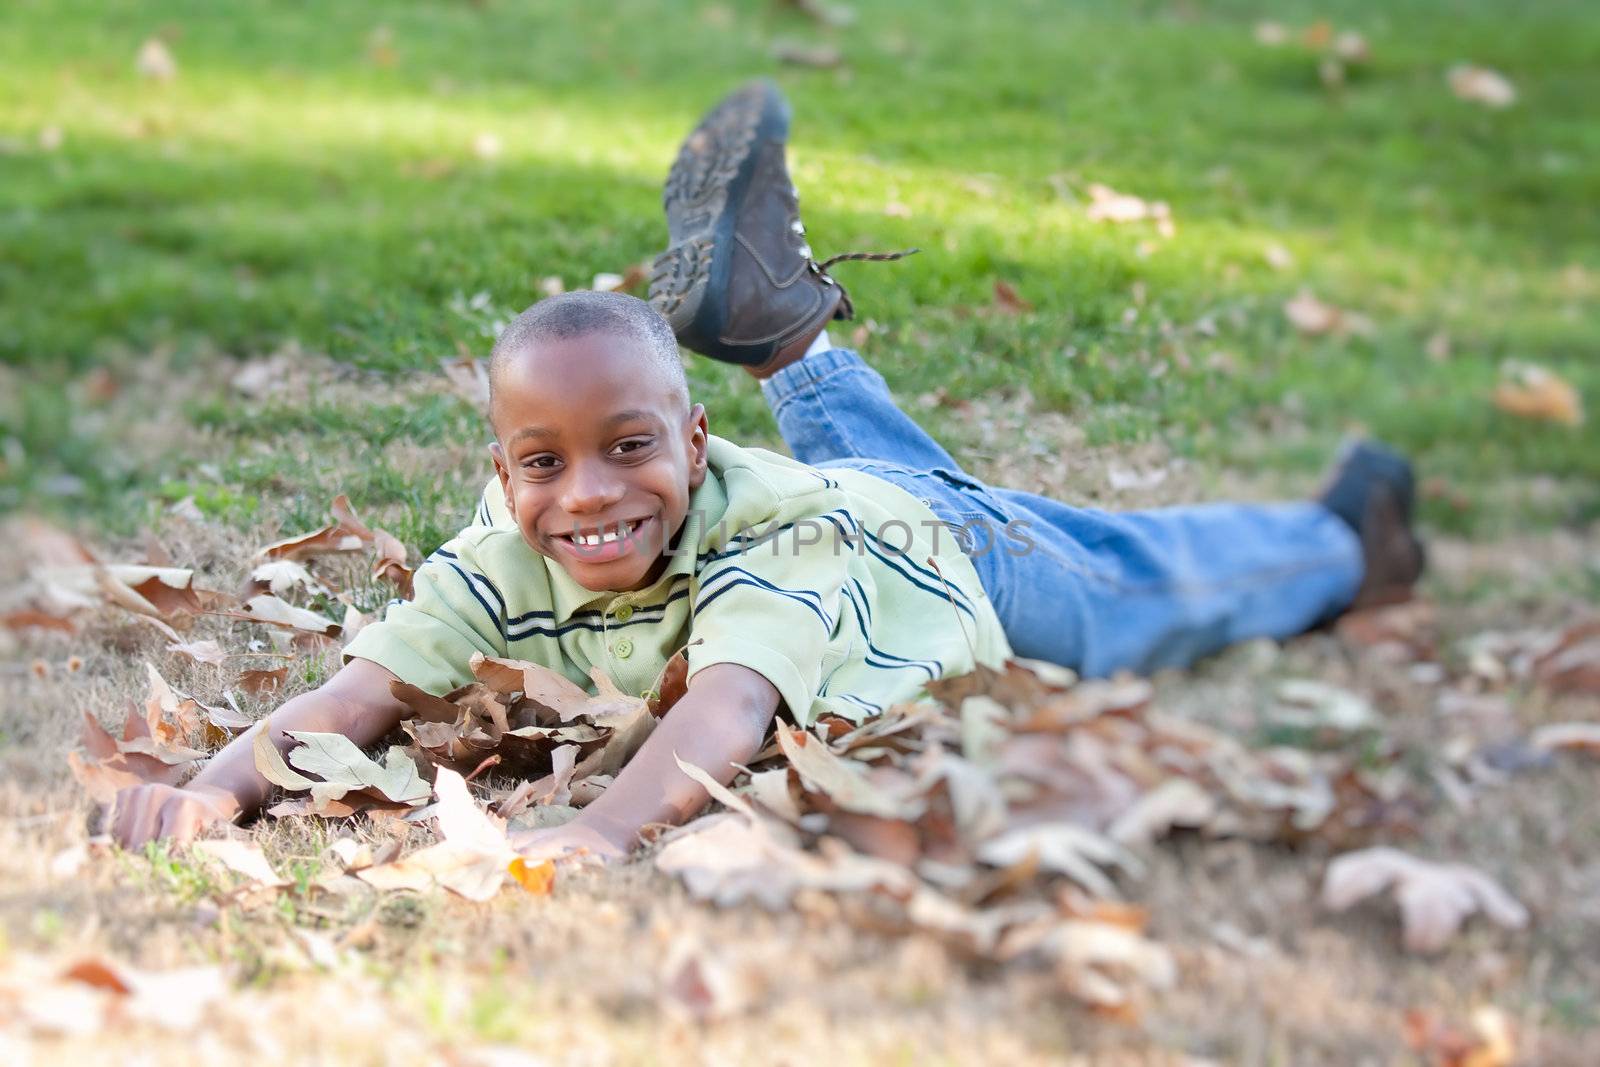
{"points": [[1373, 490], [738, 282]]}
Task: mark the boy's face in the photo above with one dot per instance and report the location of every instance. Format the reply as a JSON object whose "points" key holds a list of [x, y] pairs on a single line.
{"points": [[597, 455]]}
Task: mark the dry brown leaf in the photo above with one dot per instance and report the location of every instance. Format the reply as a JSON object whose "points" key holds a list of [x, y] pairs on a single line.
{"points": [[473, 860], [343, 768], [628, 281], [1481, 85], [155, 61], [1278, 257], [487, 146], [269, 609], [208, 652], [335, 537], [801, 54], [697, 984], [161, 593], [282, 578], [26, 618], [1007, 301], [1314, 318], [47, 545], [1435, 898], [1490, 1043], [1351, 47], [834, 16], [263, 681], [1532, 392], [1306, 704], [1108, 205], [102, 779], [1581, 737], [1174, 803], [1066, 848], [391, 563], [537, 683], [355, 621], [968, 818], [380, 47], [1271, 34], [242, 858], [1103, 963], [169, 590], [347, 533], [844, 782], [118, 994], [470, 379], [171, 715], [728, 858], [148, 750]]}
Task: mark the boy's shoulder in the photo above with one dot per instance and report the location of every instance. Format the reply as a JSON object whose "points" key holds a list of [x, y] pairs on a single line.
{"points": [[497, 555], [758, 482]]}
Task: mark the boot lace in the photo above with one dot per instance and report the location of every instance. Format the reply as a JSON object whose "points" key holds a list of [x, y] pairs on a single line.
{"points": [[847, 308]]}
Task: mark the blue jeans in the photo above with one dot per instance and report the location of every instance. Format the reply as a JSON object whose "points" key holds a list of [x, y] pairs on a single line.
{"points": [[1091, 590]]}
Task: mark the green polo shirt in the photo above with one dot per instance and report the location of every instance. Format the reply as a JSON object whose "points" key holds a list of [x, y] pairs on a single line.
{"points": [[841, 589]]}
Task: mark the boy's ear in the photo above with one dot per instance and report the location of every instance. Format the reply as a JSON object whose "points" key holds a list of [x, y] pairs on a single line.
{"points": [[698, 433], [503, 472]]}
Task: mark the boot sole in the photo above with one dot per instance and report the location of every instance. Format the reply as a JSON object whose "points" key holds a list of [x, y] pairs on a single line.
{"points": [[703, 192]]}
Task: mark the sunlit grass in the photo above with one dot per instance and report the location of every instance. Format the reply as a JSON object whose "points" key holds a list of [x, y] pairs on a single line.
{"points": [[311, 176]]}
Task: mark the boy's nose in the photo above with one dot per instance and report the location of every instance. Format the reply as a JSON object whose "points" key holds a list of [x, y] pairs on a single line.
{"points": [[590, 490]]}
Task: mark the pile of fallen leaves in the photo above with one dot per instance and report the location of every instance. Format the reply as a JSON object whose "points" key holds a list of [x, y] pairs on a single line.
{"points": [[1003, 814], [70, 583], [1002, 817]]}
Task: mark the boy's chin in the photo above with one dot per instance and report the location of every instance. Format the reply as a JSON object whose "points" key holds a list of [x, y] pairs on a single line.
{"points": [[612, 577]]}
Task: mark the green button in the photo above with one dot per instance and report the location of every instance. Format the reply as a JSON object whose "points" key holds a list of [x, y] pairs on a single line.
{"points": [[624, 612], [623, 648]]}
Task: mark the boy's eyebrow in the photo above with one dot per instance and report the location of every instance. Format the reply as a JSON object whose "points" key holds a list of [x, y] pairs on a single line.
{"points": [[631, 415]]}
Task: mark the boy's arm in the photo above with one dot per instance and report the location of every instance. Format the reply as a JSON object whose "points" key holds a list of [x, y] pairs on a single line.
{"points": [[719, 722], [355, 702]]}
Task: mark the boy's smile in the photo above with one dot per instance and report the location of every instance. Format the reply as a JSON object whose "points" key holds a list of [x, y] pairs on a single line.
{"points": [[597, 450]]}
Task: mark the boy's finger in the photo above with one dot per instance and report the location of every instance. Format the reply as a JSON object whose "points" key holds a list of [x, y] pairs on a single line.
{"points": [[125, 810], [170, 823], [139, 825]]}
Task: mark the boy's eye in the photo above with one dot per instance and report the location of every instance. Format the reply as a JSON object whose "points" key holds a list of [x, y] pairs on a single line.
{"points": [[632, 444], [541, 462]]}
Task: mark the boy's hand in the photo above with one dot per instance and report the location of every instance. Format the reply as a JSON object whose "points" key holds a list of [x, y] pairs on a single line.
{"points": [[150, 812], [571, 841]]}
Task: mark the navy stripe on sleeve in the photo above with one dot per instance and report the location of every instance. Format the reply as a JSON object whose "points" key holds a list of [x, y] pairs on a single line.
{"points": [[867, 705], [748, 542], [954, 596], [495, 618], [932, 666], [798, 596]]}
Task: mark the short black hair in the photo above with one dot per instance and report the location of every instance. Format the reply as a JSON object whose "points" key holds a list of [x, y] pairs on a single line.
{"points": [[587, 311]]}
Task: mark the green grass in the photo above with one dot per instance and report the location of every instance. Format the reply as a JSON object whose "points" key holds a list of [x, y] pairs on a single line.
{"points": [[288, 188]]}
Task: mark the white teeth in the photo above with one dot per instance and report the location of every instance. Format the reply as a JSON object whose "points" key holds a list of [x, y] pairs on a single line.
{"points": [[622, 530]]}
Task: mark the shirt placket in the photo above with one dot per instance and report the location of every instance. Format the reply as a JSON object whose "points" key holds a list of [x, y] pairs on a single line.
{"points": [[619, 650]]}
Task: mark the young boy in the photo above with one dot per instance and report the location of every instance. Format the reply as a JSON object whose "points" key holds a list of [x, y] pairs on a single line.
{"points": [[618, 530]]}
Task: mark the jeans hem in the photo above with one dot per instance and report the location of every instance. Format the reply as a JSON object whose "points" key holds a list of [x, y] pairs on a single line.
{"points": [[805, 374]]}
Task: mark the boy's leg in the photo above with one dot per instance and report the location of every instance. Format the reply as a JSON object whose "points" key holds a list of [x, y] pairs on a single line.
{"points": [[831, 406], [1094, 591], [1144, 590]]}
